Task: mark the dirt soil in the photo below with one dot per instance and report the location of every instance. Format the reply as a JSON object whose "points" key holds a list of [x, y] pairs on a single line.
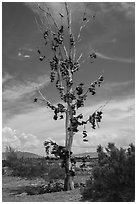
{"points": [[10, 183]]}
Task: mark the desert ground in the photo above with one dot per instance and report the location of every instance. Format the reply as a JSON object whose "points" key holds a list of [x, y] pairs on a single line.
{"points": [[10, 186]]}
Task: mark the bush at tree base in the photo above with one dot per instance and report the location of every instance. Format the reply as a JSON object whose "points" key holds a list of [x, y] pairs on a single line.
{"points": [[56, 172], [113, 178], [39, 189]]}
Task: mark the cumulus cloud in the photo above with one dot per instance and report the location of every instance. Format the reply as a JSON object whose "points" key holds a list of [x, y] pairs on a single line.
{"points": [[40, 122], [19, 140]]}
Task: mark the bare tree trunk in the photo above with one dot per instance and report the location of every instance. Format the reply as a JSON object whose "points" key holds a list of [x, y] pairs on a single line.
{"points": [[68, 182]]}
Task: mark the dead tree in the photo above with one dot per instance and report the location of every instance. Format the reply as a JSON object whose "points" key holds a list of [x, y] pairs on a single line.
{"points": [[64, 65]]}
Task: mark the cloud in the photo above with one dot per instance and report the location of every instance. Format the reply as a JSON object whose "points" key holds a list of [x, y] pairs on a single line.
{"points": [[125, 8], [110, 20], [117, 59], [6, 77], [128, 8], [38, 122], [25, 52], [18, 97], [27, 49], [118, 126], [19, 140], [16, 90], [116, 87], [27, 56], [55, 8], [21, 56]]}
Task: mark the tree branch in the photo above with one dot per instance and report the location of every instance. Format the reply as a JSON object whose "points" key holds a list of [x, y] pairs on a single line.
{"points": [[79, 57], [38, 26], [69, 28], [44, 99]]}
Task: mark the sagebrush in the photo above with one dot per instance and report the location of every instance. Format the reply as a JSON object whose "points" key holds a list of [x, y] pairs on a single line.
{"points": [[113, 178]]}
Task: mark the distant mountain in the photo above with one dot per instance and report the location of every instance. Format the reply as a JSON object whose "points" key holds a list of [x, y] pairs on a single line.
{"points": [[22, 154], [32, 155], [91, 154]]}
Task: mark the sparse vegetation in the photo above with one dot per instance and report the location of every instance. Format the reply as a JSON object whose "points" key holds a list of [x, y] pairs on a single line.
{"points": [[17, 189], [28, 168], [112, 177], [32, 167]]}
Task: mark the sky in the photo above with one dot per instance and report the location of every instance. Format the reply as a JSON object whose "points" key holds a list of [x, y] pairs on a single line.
{"points": [[111, 34]]}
